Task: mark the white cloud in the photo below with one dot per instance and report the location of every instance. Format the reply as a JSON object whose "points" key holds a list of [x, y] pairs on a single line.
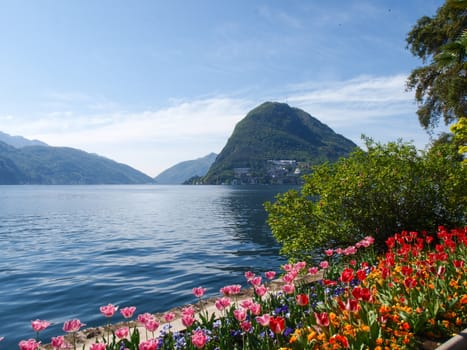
{"points": [[379, 107], [153, 140]]}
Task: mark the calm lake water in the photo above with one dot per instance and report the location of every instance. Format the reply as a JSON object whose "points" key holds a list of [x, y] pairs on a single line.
{"points": [[66, 250]]}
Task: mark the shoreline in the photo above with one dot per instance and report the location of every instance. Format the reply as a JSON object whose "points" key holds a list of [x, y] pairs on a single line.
{"points": [[87, 336]]}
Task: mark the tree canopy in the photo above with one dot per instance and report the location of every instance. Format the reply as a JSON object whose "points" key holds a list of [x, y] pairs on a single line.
{"points": [[441, 84], [381, 191]]}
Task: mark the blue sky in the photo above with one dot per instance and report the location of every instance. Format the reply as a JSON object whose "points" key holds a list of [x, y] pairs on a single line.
{"points": [[153, 83]]}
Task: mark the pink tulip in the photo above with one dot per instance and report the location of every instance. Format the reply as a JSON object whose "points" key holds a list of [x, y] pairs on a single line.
{"points": [[39, 325], [329, 252], [188, 320], [150, 344], [189, 310], [72, 326], [151, 325], [128, 312], [231, 290], [246, 303], [169, 317], [57, 342], [199, 292], [261, 290], [143, 318], [256, 281], [263, 320], [108, 310], [98, 346], [222, 303], [199, 339], [122, 332], [245, 326], [288, 288], [289, 277], [287, 267], [350, 250], [270, 275], [29, 344], [249, 275], [255, 309], [313, 270], [240, 315], [300, 265], [324, 264]]}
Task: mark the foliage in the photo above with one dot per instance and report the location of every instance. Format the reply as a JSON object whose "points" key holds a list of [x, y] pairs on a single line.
{"points": [[441, 85], [459, 131], [383, 190], [417, 290], [276, 131]]}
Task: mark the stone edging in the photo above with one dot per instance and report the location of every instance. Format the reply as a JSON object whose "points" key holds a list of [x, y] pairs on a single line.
{"points": [[458, 342]]}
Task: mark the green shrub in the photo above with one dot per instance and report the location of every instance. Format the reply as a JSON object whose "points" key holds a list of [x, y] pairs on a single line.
{"points": [[389, 188]]}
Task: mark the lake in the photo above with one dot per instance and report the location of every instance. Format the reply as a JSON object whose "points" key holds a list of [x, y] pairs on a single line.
{"points": [[66, 250]]}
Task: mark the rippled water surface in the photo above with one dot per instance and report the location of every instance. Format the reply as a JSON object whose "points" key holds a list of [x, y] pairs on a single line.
{"points": [[66, 250]]}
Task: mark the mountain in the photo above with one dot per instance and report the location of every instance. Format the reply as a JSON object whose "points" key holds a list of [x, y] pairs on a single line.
{"points": [[276, 141], [19, 141], [62, 166], [183, 171]]}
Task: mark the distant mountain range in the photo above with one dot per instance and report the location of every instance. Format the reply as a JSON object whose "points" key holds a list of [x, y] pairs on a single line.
{"points": [[19, 141], [181, 172], [33, 162], [276, 143]]}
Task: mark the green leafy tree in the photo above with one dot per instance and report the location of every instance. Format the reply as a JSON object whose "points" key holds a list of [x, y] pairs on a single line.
{"points": [[385, 190], [441, 85]]}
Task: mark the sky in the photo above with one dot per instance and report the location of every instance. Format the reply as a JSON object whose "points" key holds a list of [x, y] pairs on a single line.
{"points": [[152, 83]]}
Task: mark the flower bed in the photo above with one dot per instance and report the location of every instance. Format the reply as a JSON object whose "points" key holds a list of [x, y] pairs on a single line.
{"points": [[416, 291]]}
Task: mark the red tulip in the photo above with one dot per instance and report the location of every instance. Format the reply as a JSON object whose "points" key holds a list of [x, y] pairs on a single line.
{"points": [[347, 275], [322, 319], [277, 324], [361, 274], [302, 299]]}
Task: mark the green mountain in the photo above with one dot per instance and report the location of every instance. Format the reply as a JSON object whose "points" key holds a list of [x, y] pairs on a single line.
{"points": [[181, 172], [62, 165], [275, 141]]}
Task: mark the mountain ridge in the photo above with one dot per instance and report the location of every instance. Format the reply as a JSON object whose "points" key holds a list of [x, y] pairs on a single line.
{"points": [[62, 166], [181, 172], [275, 131], [19, 141]]}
